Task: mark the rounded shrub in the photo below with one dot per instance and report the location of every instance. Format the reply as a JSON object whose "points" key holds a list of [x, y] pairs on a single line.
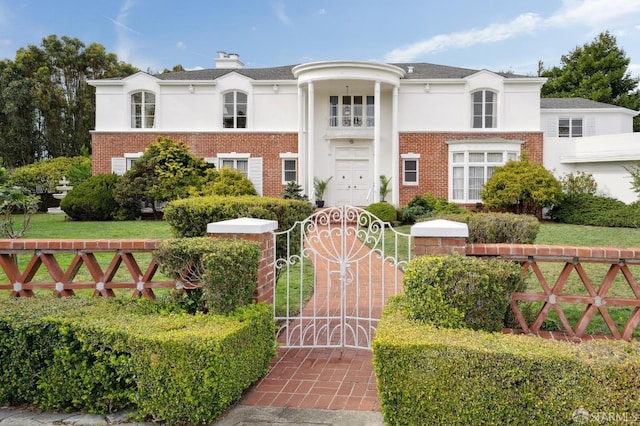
{"points": [[454, 291], [92, 199], [383, 211], [595, 210]]}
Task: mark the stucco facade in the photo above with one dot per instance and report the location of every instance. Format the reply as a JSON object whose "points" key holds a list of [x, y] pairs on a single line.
{"points": [[429, 128]]}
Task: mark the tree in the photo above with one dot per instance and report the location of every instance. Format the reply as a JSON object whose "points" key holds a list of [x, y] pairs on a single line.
{"points": [[521, 187], [598, 71], [47, 107], [166, 171]]}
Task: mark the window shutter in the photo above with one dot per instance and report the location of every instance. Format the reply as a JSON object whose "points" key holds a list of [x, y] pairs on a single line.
{"points": [[118, 165], [589, 124], [550, 127], [255, 173]]}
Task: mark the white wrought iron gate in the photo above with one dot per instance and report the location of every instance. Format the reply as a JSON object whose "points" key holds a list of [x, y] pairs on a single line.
{"points": [[336, 269]]}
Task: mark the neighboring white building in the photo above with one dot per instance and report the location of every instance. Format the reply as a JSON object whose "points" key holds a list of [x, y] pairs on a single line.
{"points": [[431, 128], [592, 137]]}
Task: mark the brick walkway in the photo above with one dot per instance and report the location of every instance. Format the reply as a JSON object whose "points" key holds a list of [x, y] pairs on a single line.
{"points": [[328, 378]]}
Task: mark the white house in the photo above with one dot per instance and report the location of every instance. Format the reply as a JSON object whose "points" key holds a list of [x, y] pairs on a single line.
{"points": [[430, 128]]}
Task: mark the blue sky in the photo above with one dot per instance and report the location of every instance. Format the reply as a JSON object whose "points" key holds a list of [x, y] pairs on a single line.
{"points": [[498, 35]]}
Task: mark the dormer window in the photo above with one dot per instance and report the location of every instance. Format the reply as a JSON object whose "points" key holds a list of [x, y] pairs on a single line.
{"points": [[234, 115], [143, 110], [483, 109]]}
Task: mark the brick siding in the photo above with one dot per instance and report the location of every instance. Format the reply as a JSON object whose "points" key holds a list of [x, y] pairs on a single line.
{"points": [[203, 144]]}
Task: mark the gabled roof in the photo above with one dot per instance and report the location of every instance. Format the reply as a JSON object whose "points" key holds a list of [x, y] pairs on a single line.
{"points": [[573, 103], [419, 71]]}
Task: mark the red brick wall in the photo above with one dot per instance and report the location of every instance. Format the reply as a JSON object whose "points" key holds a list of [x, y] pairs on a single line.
{"points": [[265, 145], [433, 163], [434, 157]]}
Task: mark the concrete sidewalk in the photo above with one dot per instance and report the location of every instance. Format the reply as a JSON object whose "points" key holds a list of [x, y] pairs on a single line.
{"points": [[237, 415]]}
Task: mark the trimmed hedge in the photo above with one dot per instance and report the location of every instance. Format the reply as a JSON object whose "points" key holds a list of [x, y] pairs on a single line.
{"points": [[497, 228], [595, 210], [227, 270], [100, 355], [427, 375], [189, 216], [454, 291]]}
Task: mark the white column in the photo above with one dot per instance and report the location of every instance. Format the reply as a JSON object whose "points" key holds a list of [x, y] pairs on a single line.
{"points": [[310, 140], [376, 142], [302, 149], [395, 150]]}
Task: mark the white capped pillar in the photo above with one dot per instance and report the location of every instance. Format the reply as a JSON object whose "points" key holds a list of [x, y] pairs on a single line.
{"points": [[395, 150], [376, 141], [310, 140]]}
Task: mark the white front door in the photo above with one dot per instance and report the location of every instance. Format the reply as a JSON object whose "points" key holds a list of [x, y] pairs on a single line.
{"points": [[353, 176]]}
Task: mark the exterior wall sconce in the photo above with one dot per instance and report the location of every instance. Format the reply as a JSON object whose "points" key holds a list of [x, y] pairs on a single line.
{"points": [[275, 88], [191, 88], [427, 87]]}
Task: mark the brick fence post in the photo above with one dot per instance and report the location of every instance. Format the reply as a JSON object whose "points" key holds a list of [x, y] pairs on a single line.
{"points": [[260, 231], [438, 237]]}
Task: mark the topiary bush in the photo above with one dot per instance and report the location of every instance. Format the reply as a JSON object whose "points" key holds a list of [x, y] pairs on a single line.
{"points": [[383, 211], [452, 291], [226, 270], [227, 181], [438, 376], [498, 228], [93, 199], [103, 355]]}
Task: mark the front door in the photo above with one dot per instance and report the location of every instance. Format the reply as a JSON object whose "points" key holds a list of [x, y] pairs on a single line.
{"points": [[353, 176]]}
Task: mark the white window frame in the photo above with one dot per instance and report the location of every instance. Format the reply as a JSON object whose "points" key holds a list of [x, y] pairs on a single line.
{"points": [[234, 157], [234, 114], [345, 113], [130, 158], [285, 157], [570, 126], [411, 156], [484, 114], [460, 164], [144, 104]]}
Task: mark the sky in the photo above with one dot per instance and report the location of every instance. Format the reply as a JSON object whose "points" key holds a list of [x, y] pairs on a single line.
{"points": [[498, 35]]}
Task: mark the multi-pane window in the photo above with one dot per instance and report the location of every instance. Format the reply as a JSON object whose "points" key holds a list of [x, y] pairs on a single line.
{"points": [[241, 164], [483, 109], [351, 111], [471, 170], [234, 111], [410, 169], [143, 110], [570, 127], [289, 170]]}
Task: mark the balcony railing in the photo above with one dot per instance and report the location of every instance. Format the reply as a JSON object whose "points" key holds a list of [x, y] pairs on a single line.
{"points": [[351, 122]]}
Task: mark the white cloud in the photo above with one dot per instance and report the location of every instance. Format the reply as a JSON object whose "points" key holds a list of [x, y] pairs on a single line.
{"points": [[126, 44], [591, 13], [180, 45], [322, 11], [525, 23], [281, 14], [5, 42]]}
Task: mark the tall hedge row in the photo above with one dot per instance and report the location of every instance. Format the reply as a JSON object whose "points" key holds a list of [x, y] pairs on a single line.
{"points": [[428, 375], [101, 355]]}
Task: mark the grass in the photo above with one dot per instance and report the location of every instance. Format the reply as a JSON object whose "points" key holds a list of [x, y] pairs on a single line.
{"points": [[300, 281]]}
